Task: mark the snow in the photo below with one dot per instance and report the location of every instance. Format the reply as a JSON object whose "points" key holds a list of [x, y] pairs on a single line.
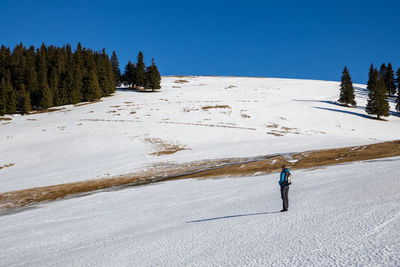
{"points": [[340, 215], [111, 137]]}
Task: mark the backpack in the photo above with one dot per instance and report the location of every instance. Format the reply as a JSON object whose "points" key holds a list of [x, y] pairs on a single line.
{"points": [[288, 178]]}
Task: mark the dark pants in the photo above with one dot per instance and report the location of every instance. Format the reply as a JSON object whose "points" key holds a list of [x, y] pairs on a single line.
{"points": [[285, 197]]}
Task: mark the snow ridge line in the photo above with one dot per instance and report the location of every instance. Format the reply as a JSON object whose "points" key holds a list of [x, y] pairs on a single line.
{"points": [[235, 167]]}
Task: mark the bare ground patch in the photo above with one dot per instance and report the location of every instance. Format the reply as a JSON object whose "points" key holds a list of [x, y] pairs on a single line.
{"points": [[181, 81], [163, 147], [235, 167], [95, 120], [189, 109], [5, 119], [216, 107], [210, 125], [278, 130], [7, 165]]}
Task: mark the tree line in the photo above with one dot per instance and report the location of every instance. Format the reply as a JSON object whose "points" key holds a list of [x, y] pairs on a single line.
{"points": [[137, 76], [381, 85], [40, 78]]}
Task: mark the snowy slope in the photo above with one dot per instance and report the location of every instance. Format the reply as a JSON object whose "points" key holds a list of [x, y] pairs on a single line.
{"points": [[342, 215], [120, 134]]}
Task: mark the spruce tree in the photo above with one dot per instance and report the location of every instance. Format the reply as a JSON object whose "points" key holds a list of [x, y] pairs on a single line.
{"points": [[101, 73], [5, 61], [389, 80], [382, 70], [2, 98], [398, 90], [371, 73], [153, 77], [45, 95], [111, 82], [31, 82], [18, 65], [346, 89], [53, 82], [377, 99], [10, 100], [129, 74], [92, 87], [115, 68], [24, 101], [140, 72]]}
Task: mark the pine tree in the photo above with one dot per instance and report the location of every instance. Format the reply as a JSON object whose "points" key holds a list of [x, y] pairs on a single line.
{"points": [[18, 65], [371, 73], [111, 84], [9, 97], [129, 74], [398, 92], [382, 70], [45, 95], [31, 82], [92, 87], [24, 102], [377, 99], [389, 80], [115, 68], [2, 98], [346, 89], [53, 82], [140, 72], [153, 77], [5, 61]]}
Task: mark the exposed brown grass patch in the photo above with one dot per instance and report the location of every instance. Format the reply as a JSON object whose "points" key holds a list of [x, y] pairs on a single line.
{"points": [[216, 106], [281, 130], [181, 81], [163, 147], [305, 160], [95, 120], [275, 134], [187, 109], [7, 165], [210, 125], [5, 119], [205, 169]]}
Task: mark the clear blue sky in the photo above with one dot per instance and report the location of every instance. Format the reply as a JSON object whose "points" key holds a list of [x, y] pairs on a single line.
{"points": [[294, 39]]}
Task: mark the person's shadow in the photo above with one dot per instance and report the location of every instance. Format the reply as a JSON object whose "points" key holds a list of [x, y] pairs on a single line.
{"points": [[233, 216]]}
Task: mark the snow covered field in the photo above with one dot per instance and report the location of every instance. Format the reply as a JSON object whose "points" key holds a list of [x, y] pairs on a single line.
{"points": [[341, 215], [203, 117]]}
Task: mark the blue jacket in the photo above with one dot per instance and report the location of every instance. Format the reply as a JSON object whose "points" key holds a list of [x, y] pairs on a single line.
{"points": [[282, 179]]}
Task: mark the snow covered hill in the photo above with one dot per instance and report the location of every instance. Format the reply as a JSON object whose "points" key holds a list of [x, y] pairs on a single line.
{"points": [[192, 118], [338, 216]]}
